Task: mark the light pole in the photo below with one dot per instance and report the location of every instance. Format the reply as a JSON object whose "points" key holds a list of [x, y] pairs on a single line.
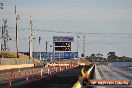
{"points": [[83, 55], [46, 50], [31, 40], [77, 45], [17, 18], [51, 55], [40, 48]]}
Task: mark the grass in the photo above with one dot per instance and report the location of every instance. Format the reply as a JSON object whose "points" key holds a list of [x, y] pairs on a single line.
{"points": [[13, 54]]}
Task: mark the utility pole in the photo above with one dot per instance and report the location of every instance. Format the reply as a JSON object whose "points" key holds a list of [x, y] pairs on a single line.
{"points": [[5, 37], [17, 18], [1, 7], [0, 37], [31, 40], [83, 55]]}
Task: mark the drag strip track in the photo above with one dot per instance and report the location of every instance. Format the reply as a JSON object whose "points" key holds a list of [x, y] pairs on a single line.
{"points": [[105, 73], [123, 73], [108, 73], [113, 73]]}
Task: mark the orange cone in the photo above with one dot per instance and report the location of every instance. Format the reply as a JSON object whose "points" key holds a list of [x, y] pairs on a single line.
{"points": [[41, 73], [26, 78], [19, 72], [10, 83]]}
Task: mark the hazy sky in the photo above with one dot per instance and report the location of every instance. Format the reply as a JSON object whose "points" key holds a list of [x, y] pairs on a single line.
{"points": [[87, 16]]}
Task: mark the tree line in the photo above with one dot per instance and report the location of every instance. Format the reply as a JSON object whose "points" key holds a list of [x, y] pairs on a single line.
{"points": [[111, 56]]}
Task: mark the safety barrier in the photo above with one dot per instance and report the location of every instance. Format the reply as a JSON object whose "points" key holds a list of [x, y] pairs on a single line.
{"points": [[32, 74], [26, 75], [86, 76], [91, 72]]}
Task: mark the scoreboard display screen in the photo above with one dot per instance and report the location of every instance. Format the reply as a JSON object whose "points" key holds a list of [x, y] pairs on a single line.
{"points": [[67, 44], [62, 46]]}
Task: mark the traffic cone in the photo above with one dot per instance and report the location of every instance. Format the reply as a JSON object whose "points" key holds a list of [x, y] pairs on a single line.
{"points": [[41, 73], [14, 75], [26, 78], [60, 68], [10, 83], [56, 69], [48, 71], [19, 72]]}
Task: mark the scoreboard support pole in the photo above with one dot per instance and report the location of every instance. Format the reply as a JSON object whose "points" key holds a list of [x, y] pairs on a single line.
{"points": [[59, 56], [53, 52]]}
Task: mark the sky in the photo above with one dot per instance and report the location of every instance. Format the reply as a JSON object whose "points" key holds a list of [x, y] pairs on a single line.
{"points": [[86, 16]]}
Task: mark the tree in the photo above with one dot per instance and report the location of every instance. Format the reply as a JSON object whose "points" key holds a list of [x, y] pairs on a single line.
{"points": [[111, 56], [93, 56], [99, 56]]}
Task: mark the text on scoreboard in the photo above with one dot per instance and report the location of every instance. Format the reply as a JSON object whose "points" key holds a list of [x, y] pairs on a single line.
{"points": [[63, 38]]}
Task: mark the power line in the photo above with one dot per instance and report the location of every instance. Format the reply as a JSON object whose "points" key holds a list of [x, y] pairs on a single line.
{"points": [[91, 42], [84, 33], [67, 32], [50, 39], [80, 40], [93, 35], [104, 35], [110, 43]]}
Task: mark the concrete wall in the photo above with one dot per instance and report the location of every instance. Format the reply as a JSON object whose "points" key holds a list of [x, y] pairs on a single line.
{"points": [[5, 67], [14, 61]]}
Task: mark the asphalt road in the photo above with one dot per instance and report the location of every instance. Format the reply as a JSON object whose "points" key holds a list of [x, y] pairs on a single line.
{"points": [[115, 72], [109, 72]]}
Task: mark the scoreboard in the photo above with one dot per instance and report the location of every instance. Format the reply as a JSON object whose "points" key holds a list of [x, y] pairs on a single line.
{"points": [[62, 43], [62, 46]]}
